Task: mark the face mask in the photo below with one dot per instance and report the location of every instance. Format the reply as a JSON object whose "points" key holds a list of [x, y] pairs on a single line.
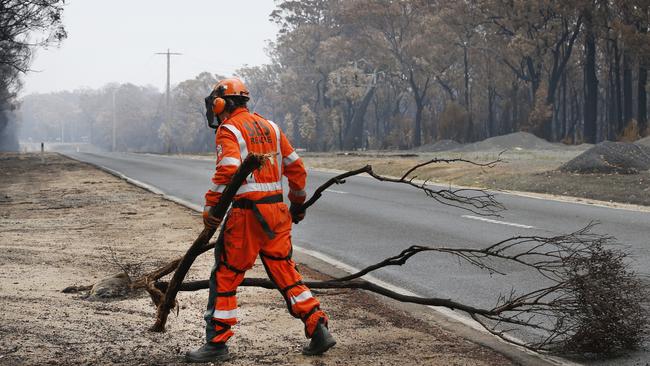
{"points": [[209, 114]]}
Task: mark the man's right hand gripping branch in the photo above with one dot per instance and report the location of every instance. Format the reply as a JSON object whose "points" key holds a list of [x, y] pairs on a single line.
{"points": [[209, 221]]}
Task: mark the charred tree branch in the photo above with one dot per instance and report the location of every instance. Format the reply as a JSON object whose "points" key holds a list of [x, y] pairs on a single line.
{"points": [[476, 201], [252, 162]]}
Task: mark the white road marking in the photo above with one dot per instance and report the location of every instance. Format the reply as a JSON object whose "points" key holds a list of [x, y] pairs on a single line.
{"points": [[498, 222], [335, 191]]}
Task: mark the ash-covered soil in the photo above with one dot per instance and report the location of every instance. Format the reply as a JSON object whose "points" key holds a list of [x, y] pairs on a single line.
{"points": [[65, 223]]}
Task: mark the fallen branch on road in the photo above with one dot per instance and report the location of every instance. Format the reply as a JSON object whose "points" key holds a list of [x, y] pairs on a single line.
{"points": [[587, 300], [477, 201], [582, 276]]}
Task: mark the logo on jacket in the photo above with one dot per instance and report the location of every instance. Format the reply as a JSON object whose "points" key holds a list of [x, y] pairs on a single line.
{"points": [[258, 133]]}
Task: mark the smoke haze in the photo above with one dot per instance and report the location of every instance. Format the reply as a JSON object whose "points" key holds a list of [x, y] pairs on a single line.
{"points": [[8, 131]]}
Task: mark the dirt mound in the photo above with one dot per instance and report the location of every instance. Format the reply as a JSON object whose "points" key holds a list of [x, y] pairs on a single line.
{"points": [[442, 145], [611, 157], [513, 141], [644, 141]]}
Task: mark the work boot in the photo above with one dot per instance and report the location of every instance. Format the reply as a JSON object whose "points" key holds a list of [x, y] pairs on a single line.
{"points": [[320, 342], [209, 352]]}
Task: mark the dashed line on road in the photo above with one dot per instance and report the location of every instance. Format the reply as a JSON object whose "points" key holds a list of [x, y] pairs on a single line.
{"points": [[335, 191], [498, 222]]}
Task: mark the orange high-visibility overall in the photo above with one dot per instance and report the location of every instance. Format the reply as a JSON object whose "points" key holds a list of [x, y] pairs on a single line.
{"points": [[258, 223]]}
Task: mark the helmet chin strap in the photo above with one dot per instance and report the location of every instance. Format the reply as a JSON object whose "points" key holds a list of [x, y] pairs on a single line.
{"points": [[219, 121]]}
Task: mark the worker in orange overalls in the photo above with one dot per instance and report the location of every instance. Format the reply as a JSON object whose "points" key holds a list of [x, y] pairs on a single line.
{"points": [[258, 223]]}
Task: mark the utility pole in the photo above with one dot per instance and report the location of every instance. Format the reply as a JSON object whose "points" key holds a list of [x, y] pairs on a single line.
{"points": [[114, 120], [168, 95]]}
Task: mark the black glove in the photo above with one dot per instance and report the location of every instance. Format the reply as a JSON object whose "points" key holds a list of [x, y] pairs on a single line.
{"points": [[297, 213]]}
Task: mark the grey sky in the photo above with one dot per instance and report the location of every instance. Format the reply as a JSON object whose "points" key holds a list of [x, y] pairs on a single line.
{"points": [[116, 40]]}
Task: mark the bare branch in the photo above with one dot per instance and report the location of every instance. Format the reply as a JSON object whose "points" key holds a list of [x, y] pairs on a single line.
{"points": [[476, 201]]}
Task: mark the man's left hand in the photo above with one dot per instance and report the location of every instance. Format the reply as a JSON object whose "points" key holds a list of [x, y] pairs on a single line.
{"points": [[211, 222], [297, 213]]}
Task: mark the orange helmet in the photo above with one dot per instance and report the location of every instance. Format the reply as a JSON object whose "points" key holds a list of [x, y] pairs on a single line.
{"points": [[231, 87], [227, 88]]}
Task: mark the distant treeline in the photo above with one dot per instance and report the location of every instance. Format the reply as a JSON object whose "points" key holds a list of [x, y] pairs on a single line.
{"points": [[134, 118], [399, 74]]}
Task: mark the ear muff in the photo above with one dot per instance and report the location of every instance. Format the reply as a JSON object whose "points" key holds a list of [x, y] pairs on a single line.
{"points": [[218, 106]]}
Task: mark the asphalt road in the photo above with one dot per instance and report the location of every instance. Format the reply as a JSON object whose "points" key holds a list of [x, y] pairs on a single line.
{"points": [[365, 221]]}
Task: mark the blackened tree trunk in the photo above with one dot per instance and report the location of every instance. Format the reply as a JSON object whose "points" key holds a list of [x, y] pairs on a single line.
{"points": [[619, 91], [561, 55], [610, 103], [591, 84], [491, 125], [466, 75], [628, 98], [417, 128], [642, 115], [610, 92], [468, 103], [563, 124], [419, 95], [354, 136], [515, 107], [642, 108]]}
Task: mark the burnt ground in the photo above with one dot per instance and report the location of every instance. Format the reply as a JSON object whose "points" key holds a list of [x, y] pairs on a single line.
{"points": [[623, 188], [65, 223]]}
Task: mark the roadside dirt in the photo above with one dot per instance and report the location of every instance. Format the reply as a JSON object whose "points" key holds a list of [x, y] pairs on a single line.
{"points": [[524, 170], [65, 223]]}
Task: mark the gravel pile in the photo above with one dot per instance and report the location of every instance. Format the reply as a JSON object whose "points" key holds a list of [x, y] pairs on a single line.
{"points": [[442, 145], [513, 141], [644, 141], [611, 157]]}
